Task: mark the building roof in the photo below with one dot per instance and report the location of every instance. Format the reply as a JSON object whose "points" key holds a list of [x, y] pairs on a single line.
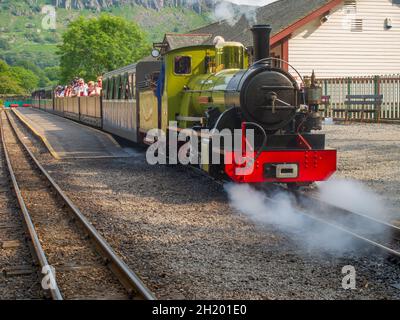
{"points": [[280, 15], [174, 41], [186, 40], [128, 68]]}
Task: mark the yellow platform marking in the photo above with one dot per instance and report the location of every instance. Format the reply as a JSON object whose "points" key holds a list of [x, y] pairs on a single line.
{"points": [[43, 138], [109, 136]]}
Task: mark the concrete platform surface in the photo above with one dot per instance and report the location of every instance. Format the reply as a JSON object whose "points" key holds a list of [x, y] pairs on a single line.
{"points": [[67, 139]]}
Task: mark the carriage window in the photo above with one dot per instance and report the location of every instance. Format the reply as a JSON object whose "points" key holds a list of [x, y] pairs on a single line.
{"points": [[124, 87], [111, 89], [117, 87], [183, 65], [131, 80], [105, 88]]}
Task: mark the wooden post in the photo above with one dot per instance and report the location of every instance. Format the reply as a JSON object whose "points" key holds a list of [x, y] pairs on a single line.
{"points": [[378, 103], [79, 108], [362, 109], [348, 105], [326, 102], [101, 111]]}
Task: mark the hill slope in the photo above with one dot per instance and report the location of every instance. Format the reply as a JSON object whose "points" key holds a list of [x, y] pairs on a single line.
{"points": [[23, 38]]}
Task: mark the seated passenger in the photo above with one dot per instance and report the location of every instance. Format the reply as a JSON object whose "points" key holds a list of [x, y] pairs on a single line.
{"points": [[82, 88], [91, 90], [68, 92], [79, 89], [100, 82]]}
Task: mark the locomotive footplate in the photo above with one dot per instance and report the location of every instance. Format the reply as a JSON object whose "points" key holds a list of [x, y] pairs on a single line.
{"points": [[285, 166]]}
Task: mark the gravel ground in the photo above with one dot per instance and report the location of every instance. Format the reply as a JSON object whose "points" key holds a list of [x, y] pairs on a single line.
{"points": [[369, 153], [179, 233]]}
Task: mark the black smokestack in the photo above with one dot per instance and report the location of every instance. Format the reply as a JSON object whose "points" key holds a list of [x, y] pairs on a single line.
{"points": [[261, 35]]}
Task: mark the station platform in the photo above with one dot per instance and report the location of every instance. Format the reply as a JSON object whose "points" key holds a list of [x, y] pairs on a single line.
{"points": [[66, 139]]}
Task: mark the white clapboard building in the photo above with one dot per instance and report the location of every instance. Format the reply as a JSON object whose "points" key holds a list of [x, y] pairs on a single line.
{"points": [[336, 38]]}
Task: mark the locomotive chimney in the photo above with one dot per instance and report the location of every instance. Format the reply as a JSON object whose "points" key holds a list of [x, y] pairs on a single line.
{"points": [[261, 36]]}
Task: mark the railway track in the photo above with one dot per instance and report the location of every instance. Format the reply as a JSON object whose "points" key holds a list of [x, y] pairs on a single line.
{"points": [[19, 273], [66, 245], [380, 236]]}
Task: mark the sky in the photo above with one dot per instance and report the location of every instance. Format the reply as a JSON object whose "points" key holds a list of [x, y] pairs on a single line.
{"points": [[253, 2]]}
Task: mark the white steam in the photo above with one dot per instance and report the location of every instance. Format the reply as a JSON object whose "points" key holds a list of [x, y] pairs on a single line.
{"points": [[282, 213], [354, 196], [252, 2], [226, 11]]}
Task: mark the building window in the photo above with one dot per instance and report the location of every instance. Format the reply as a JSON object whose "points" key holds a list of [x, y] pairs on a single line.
{"points": [[276, 62], [396, 1], [183, 65], [350, 7], [356, 25]]}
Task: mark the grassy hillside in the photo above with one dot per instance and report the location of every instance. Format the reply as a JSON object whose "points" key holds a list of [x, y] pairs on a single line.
{"points": [[23, 39]]}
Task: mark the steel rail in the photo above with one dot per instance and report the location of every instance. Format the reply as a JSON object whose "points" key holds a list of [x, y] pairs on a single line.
{"points": [[37, 247], [361, 238], [356, 217], [348, 214], [390, 230], [134, 285]]}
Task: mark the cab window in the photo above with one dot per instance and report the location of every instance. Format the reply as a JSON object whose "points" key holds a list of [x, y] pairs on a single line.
{"points": [[183, 65]]}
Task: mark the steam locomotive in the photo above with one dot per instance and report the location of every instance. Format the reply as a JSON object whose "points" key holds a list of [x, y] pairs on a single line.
{"points": [[209, 88]]}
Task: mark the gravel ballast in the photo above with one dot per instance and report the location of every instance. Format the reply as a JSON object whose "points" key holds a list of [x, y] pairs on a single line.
{"points": [[179, 233], [369, 153]]}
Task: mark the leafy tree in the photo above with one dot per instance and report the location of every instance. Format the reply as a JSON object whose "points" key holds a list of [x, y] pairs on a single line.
{"points": [[25, 78], [17, 80], [9, 85], [96, 45], [52, 73], [4, 66], [43, 80]]}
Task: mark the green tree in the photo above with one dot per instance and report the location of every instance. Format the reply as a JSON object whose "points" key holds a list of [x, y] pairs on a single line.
{"points": [[43, 80], [25, 78], [9, 85], [4, 66], [17, 80], [53, 74], [96, 45]]}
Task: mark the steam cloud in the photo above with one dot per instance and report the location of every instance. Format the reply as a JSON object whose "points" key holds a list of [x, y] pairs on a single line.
{"points": [[354, 196], [281, 212], [228, 12]]}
